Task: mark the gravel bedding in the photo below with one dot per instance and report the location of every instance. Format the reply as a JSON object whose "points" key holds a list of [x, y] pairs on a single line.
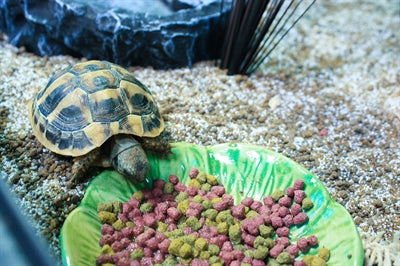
{"points": [[326, 99]]}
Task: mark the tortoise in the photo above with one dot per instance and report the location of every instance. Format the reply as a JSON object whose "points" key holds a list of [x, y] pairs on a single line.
{"points": [[97, 111]]}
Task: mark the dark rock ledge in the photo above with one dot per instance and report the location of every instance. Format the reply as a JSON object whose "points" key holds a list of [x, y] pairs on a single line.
{"points": [[162, 34]]}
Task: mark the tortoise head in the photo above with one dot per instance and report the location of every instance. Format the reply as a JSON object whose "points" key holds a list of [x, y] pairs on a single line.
{"points": [[129, 159]]}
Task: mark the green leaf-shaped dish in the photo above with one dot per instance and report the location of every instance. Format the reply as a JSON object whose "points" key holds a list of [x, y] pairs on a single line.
{"points": [[245, 171]]}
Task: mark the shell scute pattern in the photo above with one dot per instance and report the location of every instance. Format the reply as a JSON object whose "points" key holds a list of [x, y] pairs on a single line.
{"points": [[89, 102]]}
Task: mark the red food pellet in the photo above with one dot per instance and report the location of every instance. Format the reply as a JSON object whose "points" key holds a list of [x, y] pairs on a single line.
{"points": [[290, 192], [104, 259], [256, 205], [285, 201], [282, 231], [299, 195], [150, 219], [157, 192], [292, 249], [193, 212], [248, 238], [250, 226], [284, 241], [174, 213], [134, 202], [275, 208], [295, 209], [276, 222], [299, 263], [146, 261], [300, 218], [257, 262], [227, 246], [238, 254], [107, 229], [298, 184], [193, 172], [238, 211], [158, 183], [283, 211], [191, 191], [158, 257], [247, 202], [117, 236], [264, 210], [106, 239], [302, 244], [220, 206], [312, 240], [138, 229], [228, 199], [152, 243], [199, 262], [226, 256], [164, 245], [323, 132], [235, 263], [268, 201], [125, 241], [276, 250], [173, 179], [117, 246], [218, 190], [288, 220]]}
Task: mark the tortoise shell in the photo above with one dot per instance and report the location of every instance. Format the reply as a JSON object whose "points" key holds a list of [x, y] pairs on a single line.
{"points": [[87, 103]]}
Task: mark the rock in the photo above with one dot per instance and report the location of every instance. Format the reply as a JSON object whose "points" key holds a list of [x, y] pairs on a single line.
{"points": [[166, 36]]}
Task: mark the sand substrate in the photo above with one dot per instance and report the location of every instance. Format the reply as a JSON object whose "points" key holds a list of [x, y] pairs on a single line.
{"points": [[326, 99]]}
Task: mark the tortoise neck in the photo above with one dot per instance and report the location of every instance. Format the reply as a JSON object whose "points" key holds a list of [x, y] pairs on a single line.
{"points": [[120, 143]]}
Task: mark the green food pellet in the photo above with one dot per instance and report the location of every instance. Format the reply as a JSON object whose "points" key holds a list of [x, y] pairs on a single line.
{"points": [[170, 261], [217, 264], [240, 247], [206, 187], [225, 216], [185, 251], [260, 253], [213, 249], [104, 206], [277, 194], [183, 206], [181, 196], [234, 234], [194, 223], [212, 180], [307, 259], [146, 207], [137, 254], [107, 217], [266, 230], [177, 232], [317, 261], [118, 225], [198, 199], [249, 253], [251, 214], [273, 262], [204, 255], [215, 260], [245, 264], [195, 252], [259, 241], [201, 177], [106, 249], [117, 206], [307, 204], [130, 224], [324, 253], [284, 257], [168, 188], [139, 195], [162, 227], [175, 246], [200, 244], [210, 214], [195, 183], [270, 243], [189, 239], [223, 228]]}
